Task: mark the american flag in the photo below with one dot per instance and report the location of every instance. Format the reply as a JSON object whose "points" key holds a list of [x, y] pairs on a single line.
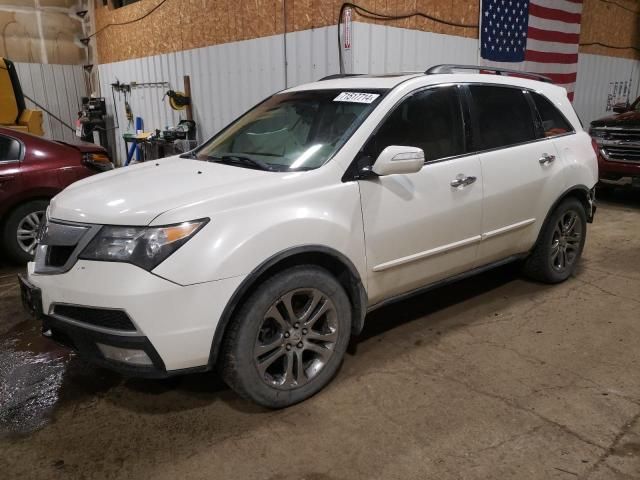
{"points": [[540, 36]]}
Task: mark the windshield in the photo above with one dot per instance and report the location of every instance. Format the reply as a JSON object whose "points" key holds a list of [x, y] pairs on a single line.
{"points": [[292, 131]]}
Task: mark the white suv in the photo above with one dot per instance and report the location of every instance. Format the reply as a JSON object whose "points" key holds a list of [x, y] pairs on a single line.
{"points": [[261, 251]]}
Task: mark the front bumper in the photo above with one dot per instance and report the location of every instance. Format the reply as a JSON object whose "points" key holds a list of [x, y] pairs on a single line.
{"points": [[618, 173], [173, 324]]}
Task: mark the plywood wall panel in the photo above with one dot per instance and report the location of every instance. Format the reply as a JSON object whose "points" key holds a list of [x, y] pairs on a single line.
{"points": [[610, 24], [186, 24]]}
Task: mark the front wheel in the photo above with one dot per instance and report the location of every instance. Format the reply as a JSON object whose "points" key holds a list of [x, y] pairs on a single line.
{"points": [[288, 339], [560, 245], [19, 235]]}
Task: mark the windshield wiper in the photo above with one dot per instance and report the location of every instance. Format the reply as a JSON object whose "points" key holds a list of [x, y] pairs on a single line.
{"points": [[240, 161], [190, 154]]}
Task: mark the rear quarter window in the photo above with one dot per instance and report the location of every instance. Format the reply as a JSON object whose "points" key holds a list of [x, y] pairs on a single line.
{"points": [[553, 121], [10, 149]]}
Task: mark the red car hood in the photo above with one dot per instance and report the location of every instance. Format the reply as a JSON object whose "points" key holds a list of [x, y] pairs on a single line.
{"points": [[84, 147]]}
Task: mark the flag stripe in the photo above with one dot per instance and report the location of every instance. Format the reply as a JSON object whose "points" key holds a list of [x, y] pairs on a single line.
{"points": [[562, 77], [553, 25], [550, 67], [553, 14], [551, 36], [546, 46], [565, 5], [550, 57]]}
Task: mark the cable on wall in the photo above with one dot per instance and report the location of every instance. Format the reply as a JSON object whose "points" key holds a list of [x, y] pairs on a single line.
{"points": [[128, 22], [366, 13], [370, 14]]}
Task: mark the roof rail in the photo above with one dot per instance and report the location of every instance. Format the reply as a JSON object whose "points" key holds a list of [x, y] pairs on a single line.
{"points": [[449, 68], [339, 75]]}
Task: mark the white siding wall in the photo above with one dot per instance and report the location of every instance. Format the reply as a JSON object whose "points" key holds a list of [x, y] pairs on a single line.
{"points": [[227, 79], [380, 49], [596, 73], [58, 88]]}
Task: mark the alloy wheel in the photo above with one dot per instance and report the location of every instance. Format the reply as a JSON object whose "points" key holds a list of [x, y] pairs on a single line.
{"points": [[296, 338], [566, 240], [27, 231]]}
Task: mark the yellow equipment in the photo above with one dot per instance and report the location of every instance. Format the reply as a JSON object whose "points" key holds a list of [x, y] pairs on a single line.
{"points": [[13, 111]]}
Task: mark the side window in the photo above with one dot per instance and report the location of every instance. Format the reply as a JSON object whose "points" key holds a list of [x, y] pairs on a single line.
{"points": [[503, 117], [9, 149], [553, 122], [430, 120]]}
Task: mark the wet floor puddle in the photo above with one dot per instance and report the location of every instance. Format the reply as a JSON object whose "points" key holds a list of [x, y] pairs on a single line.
{"points": [[31, 374]]}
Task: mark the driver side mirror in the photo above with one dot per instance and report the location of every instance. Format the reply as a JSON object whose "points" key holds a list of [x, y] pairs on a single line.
{"points": [[397, 159], [621, 107]]}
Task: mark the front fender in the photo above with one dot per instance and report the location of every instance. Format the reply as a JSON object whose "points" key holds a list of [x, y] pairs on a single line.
{"points": [[237, 240]]}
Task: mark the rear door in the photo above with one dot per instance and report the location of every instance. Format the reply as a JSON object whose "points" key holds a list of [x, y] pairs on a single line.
{"points": [[521, 169], [420, 228]]}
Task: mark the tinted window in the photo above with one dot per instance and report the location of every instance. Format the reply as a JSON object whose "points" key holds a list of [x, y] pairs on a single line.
{"points": [[553, 122], [9, 149], [429, 120], [503, 117]]}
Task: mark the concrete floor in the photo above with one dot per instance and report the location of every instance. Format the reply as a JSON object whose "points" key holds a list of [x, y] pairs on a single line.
{"points": [[495, 377]]}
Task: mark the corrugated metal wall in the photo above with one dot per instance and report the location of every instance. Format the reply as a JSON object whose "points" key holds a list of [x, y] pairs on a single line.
{"points": [[229, 78], [381, 49], [58, 88], [599, 77], [226, 79]]}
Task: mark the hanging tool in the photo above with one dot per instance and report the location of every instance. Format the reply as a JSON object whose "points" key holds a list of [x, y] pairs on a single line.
{"points": [[178, 100]]}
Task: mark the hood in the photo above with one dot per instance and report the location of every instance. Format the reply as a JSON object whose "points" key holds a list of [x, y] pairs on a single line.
{"points": [[137, 194], [627, 119]]}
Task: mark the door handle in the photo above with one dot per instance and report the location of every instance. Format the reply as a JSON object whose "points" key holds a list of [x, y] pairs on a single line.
{"points": [[462, 180], [546, 159]]}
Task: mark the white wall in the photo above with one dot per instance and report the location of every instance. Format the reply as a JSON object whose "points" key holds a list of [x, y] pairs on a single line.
{"points": [[229, 78], [379, 48], [596, 76], [226, 79], [58, 88]]}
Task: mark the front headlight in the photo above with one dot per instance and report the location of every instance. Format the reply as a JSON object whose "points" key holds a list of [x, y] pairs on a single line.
{"points": [[145, 247]]}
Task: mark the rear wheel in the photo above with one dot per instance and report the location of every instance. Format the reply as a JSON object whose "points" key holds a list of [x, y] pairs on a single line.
{"points": [[560, 245], [21, 229], [288, 339]]}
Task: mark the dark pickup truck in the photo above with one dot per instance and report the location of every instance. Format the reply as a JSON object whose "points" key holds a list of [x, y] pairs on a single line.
{"points": [[618, 139]]}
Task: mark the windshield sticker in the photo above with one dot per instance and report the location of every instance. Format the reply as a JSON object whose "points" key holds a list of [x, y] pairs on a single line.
{"points": [[356, 97]]}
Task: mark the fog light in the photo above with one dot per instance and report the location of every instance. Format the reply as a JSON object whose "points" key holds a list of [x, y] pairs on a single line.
{"points": [[125, 355]]}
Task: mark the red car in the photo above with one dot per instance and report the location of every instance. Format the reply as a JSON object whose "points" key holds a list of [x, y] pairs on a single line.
{"points": [[32, 171], [618, 139]]}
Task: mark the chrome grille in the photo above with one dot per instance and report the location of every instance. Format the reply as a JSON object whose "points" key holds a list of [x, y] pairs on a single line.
{"points": [[619, 146], [60, 243], [623, 135]]}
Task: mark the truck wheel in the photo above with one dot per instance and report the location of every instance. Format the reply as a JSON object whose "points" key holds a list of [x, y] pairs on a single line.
{"points": [[20, 230], [555, 256], [288, 339]]}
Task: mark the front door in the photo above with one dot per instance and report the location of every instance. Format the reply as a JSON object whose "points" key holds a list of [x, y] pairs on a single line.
{"points": [[425, 226]]}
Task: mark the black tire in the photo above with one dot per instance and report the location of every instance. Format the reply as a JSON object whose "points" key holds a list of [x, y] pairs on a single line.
{"points": [[255, 325], [545, 262], [10, 244]]}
